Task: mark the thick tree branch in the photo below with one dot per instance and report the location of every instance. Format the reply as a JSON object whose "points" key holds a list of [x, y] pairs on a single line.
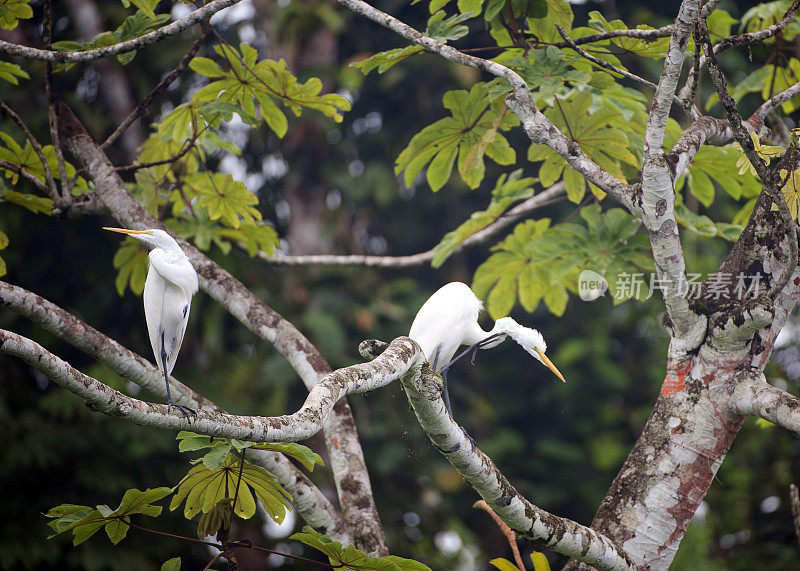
{"points": [[533, 203], [658, 197], [311, 503], [127, 46], [424, 390], [401, 355], [341, 439], [756, 397]]}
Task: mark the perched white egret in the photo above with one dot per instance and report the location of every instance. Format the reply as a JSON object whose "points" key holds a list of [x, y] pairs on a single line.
{"points": [[449, 319], [171, 282]]}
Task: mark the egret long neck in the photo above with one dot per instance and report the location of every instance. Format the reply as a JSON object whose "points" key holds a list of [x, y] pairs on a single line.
{"points": [[476, 334]]}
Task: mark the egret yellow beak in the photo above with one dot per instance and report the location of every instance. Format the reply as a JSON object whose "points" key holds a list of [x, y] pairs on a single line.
{"points": [[126, 231], [550, 364]]}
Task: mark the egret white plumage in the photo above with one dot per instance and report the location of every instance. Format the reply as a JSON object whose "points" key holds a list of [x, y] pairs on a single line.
{"points": [[171, 282], [449, 319]]}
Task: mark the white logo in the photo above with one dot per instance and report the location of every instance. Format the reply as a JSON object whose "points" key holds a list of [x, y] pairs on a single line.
{"points": [[591, 285]]}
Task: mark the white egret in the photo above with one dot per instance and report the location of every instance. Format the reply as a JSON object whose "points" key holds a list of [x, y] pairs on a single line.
{"points": [[449, 319], [171, 282]]}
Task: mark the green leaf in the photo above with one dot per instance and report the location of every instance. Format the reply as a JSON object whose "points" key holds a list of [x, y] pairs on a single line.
{"points": [[303, 454], [540, 562], [131, 262], [247, 81], [36, 204], [215, 459], [202, 489], [504, 564], [11, 11], [173, 564], [472, 131], [635, 46], [600, 130], [10, 72], [206, 66], [351, 558], [537, 262], [223, 197]]}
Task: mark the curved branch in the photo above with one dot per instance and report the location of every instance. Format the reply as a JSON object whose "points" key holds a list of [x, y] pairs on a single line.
{"points": [[401, 355], [424, 390], [127, 46], [311, 503], [533, 203]]}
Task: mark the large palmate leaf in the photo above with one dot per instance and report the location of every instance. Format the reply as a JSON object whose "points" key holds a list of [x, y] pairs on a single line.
{"points": [[28, 160], [600, 131], [246, 81], [542, 263], [471, 133], [189, 441], [203, 489]]}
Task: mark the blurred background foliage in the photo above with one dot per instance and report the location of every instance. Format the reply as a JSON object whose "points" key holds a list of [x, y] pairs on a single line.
{"points": [[331, 188]]}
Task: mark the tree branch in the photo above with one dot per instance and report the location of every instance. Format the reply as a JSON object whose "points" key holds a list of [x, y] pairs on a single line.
{"points": [[533, 203], [311, 503], [401, 355], [658, 197], [756, 397], [424, 390], [127, 46]]}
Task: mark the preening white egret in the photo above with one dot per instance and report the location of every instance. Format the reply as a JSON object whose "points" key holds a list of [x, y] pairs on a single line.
{"points": [[449, 319], [171, 282]]}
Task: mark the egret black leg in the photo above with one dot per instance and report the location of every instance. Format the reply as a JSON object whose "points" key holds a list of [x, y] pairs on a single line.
{"points": [[187, 412]]}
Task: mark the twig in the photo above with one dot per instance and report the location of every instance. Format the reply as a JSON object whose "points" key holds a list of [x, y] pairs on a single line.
{"points": [[604, 64], [48, 174], [141, 109], [510, 534], [13, 167], [550, 196], [127, 46], [52, 119]]}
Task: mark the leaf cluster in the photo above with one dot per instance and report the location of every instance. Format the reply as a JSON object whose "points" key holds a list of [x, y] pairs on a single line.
{"points": [[539, 262]]}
